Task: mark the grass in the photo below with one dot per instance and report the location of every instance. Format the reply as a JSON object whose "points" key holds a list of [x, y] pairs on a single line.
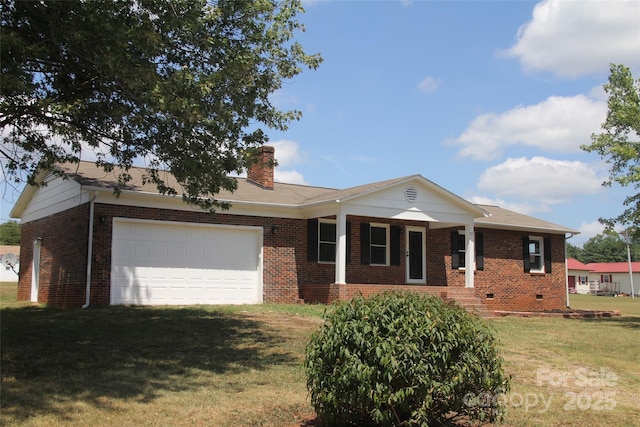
{"points": [[241, 366], [587, 371]]}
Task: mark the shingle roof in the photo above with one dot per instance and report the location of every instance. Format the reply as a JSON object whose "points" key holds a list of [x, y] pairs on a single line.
{"points": [[503, 218], [87, 174]]}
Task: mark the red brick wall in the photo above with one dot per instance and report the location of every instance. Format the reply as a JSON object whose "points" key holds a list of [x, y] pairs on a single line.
{"points": [[63, 257], [356, 271], [512, 288], [285, 263], [503, 274]]}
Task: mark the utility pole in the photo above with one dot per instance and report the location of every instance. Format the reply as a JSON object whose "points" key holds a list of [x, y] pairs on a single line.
{"points": [[630, 269], [627, 240]]}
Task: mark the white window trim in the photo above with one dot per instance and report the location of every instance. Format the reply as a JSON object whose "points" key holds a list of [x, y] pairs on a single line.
{"points": [[335, 242], [541, 255], [387, 243]]}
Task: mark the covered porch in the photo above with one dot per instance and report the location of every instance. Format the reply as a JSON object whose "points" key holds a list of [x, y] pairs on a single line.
{"points": [[392, 238]]}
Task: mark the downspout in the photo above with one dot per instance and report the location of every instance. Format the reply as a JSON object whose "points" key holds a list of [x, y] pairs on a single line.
{"points": [[89, 250]]}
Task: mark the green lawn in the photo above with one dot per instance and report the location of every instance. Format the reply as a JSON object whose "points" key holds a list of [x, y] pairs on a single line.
{"points": [[574, 372], [241, 366]]}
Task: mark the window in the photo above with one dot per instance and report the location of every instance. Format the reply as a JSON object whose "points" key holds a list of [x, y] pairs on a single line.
{"points": [[462, 249], [321, 240], [459, 250], [326, 240], [380, 244], [536, 254], [379, 248]]}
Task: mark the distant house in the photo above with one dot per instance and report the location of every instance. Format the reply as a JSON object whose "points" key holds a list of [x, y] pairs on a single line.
{"points": [[614, 276], [278, 242], [577, 277], [9, 263]]}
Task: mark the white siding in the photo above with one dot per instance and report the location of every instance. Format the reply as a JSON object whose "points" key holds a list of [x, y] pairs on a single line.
{"points": [[57, 196], [392, 203]]}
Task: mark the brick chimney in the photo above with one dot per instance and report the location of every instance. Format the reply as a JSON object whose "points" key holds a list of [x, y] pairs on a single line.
{"points": [[261, 171]]}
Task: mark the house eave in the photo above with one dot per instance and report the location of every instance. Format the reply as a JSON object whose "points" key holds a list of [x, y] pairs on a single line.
{"points": [[26, 196], [516, 227]]}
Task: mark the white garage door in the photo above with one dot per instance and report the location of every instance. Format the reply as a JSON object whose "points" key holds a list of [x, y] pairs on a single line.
{"points": [[161, 263]]}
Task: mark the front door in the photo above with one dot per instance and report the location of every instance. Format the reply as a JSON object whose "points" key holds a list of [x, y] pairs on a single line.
{"points": [[416, 256]]}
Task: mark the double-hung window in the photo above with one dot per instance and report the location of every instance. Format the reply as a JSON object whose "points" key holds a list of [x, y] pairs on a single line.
{"points": [[321, 240], [326, 240], [459, 250], [536, 254], [379, 244], [379, 241]]}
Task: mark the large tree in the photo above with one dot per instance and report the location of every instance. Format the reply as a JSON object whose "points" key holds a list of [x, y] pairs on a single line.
{"points": [[609, 247], [619, 143], [182, 85], [10, 233]]}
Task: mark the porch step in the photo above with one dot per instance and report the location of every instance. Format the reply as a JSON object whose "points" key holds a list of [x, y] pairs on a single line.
{"points": [[466, 298]]}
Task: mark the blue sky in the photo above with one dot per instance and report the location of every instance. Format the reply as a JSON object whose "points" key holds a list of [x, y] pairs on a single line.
{"points": [[489, 99]]}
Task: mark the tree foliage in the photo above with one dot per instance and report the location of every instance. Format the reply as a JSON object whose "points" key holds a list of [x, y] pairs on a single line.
{"points": [[10, 233], [574, 252], [619, 144], [609, 247], [401, 359], [182, 85]]}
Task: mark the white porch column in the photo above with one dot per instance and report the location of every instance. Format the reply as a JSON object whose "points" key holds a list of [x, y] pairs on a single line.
{"points": [[470, 255], [341, 248]]}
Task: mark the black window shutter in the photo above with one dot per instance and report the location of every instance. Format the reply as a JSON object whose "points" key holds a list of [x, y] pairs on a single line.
{"points": [[525, 254], [479, 251], [455, 254], [348, 242], [365, 244], [395, 245], [312, 240], [547, 255]]}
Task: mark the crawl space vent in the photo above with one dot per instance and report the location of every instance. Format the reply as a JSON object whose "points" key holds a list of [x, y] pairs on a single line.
{"points": [[411, 193]]}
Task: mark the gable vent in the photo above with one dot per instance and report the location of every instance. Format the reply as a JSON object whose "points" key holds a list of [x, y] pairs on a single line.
{"points": [[411, 193]]}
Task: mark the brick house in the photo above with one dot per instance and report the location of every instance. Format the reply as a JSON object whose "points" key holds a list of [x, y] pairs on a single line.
{"points": [[278, 242]]}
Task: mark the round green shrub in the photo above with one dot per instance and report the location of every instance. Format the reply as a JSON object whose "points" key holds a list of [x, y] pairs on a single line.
{"points": [[403, 359]]}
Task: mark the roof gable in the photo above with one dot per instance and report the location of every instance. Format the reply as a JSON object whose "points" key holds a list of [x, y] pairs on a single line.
{"points": [[392, 195]]}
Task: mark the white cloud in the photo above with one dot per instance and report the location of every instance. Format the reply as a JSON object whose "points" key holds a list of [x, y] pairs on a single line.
{"points": [[574, 38], [540, 180], [525, 208], [290, 177], [587, 230], [288, 154], [558, 124], [429, 85]]}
